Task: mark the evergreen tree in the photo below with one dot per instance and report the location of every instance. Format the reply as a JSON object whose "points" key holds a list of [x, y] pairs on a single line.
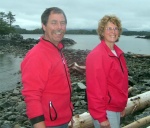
{"points": [[6, 21], [10, 18]]}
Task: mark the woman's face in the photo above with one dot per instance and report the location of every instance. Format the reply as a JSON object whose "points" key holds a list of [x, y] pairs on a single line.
{"points": [[111, 33]]}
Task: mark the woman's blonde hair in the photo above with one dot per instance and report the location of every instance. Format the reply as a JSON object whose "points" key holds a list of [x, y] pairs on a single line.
{"points": [[103, 22]]}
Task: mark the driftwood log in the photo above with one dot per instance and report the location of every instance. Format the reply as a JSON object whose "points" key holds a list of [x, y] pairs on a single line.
{"points": [[138, 102], [139, 123], [134, 104], [78, 68], [83, 120]]}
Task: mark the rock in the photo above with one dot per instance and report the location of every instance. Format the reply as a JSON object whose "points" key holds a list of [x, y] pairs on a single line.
{"points": [[6, 125], [12, 106], [144, 37], [21, 105], [17, 126], [81, 86], [16, 91], [68, 42]]}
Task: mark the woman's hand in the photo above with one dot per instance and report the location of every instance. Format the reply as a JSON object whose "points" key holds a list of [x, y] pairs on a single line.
{"points": [[105, 124], [72, 122], [122, 114]]}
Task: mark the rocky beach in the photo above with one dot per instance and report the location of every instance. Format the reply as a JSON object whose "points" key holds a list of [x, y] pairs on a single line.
{"points": [[12, 106]]}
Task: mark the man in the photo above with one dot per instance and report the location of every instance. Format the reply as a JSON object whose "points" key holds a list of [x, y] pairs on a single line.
{"points": [[45, 77]]}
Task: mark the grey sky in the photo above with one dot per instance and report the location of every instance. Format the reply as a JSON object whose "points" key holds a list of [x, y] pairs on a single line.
{"points": [[134, 14]]}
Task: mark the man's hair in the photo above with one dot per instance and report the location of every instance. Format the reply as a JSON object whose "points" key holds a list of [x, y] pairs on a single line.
{"points": [[48, 11]]}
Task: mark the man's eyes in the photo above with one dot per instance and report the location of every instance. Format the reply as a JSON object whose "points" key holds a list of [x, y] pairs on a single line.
{"points": [[63, 22], [55, 22]]}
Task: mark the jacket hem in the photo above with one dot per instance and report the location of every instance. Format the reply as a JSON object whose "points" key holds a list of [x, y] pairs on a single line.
{"points": [[37, 119], [115, 109]]}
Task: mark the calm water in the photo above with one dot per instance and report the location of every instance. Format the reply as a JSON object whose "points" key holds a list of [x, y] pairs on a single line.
{"points": [[9, 69], [126, 43], [10, 65]]}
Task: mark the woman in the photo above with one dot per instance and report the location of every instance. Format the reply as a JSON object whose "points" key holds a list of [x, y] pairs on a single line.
{"points": [[107, 76]]}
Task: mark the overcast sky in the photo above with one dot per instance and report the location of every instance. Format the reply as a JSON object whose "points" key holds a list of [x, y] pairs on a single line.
{"points": [[83, 14]]}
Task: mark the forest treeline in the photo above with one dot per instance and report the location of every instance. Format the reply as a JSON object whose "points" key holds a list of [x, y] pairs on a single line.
{"points": [[84, 31], [7, 19]]}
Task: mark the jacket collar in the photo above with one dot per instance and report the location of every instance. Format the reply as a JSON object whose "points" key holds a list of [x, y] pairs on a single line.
{"points": [[50, 44], [116, 48]]}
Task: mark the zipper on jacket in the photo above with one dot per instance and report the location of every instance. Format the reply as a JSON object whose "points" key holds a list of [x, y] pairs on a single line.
{"points": [[66, 76], [119, 62], [109, 97], [51, 111], [121, 65]]}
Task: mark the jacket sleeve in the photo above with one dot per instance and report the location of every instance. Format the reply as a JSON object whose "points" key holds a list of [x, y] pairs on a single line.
{"points": [[96, 80], [34, 75]]}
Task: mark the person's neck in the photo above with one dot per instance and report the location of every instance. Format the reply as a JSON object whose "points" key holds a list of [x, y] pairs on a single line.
{"points": [[55, 43], [110, 45]]}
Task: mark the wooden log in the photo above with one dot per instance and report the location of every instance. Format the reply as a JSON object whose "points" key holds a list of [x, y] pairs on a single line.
{"points": [[139, 123], [83, 120], [138, 102], [135, 103], [75, 66]]}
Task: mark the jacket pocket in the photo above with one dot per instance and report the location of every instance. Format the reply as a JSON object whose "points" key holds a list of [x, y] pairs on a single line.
{"points": [[52, 112]]}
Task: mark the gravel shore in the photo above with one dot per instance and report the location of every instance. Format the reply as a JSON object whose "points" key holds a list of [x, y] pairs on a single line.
{"points": [[12, 107]]}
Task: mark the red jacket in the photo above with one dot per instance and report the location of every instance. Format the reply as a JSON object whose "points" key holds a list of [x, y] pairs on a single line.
{"points": [[107, 81], [46, 84]]}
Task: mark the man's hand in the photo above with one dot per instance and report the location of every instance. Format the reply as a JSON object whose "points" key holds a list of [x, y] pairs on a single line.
{"points": [[39, 125]]}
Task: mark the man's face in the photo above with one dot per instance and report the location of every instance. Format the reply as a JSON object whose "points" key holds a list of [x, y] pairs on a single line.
{"points": [[55, 28]]}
